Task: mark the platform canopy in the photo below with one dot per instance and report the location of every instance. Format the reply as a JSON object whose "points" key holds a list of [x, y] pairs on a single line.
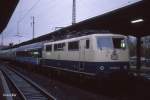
{"points": [[7, 8], [130, 20]]}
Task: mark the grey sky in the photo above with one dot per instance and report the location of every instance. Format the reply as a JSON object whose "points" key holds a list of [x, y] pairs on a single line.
{"points": [[54, 13]]}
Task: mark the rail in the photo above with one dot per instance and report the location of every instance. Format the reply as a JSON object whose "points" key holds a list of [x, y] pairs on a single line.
{"points": [[28, 89]]}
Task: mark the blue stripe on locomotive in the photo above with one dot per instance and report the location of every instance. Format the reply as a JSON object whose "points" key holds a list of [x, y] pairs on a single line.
{"points": [[89, 67], [34, 61]]}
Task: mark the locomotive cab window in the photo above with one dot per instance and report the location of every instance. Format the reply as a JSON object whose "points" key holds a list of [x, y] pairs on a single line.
{"points": [[48, 48], [73, 45], [87, 44], [119, 43]]}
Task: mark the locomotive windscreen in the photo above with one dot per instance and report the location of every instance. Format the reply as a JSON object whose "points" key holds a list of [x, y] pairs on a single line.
{"points": [[104, 42]]}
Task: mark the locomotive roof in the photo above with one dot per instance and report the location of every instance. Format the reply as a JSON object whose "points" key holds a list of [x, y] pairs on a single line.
{"points": [[82, 37]]}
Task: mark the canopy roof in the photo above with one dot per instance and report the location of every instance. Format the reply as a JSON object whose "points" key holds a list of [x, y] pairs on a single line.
{"points": [[7, 8], [119, 21]]}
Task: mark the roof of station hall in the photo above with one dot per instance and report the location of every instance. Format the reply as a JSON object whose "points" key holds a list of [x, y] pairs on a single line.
{"points": [[7, 8]]}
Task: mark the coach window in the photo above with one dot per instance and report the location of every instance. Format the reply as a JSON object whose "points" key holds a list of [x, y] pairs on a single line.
{"points": [[87, 44], [48, 48], [73, 45], [37, 53]]}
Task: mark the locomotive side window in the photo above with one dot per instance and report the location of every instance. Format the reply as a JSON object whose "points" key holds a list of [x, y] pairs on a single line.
{"points": [[59, 47], [48, 48], [87, 44], [73, 45]]}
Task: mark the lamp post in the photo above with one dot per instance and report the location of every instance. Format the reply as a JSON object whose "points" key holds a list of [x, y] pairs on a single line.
{"points": [[2, 39], [33, 27]]}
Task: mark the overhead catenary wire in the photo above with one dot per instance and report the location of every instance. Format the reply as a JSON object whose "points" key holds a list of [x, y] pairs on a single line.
{"points": [[34, 5], [52, 5]]}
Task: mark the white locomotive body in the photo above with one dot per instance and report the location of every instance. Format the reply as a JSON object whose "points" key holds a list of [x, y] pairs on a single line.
{"points": [[92, 54]]}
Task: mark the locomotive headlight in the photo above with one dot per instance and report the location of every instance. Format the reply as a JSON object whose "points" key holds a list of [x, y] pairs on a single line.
{"points": [[101, 68], [123, 45]]}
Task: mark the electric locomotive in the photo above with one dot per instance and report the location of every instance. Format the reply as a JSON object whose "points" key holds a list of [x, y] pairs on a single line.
{"points": [[96, 54]]}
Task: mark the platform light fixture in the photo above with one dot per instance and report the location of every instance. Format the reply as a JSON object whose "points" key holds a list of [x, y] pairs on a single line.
{"points": [[137, 21]]}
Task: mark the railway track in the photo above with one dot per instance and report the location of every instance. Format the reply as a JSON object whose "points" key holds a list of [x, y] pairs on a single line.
{"points": [[27, 89]]}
